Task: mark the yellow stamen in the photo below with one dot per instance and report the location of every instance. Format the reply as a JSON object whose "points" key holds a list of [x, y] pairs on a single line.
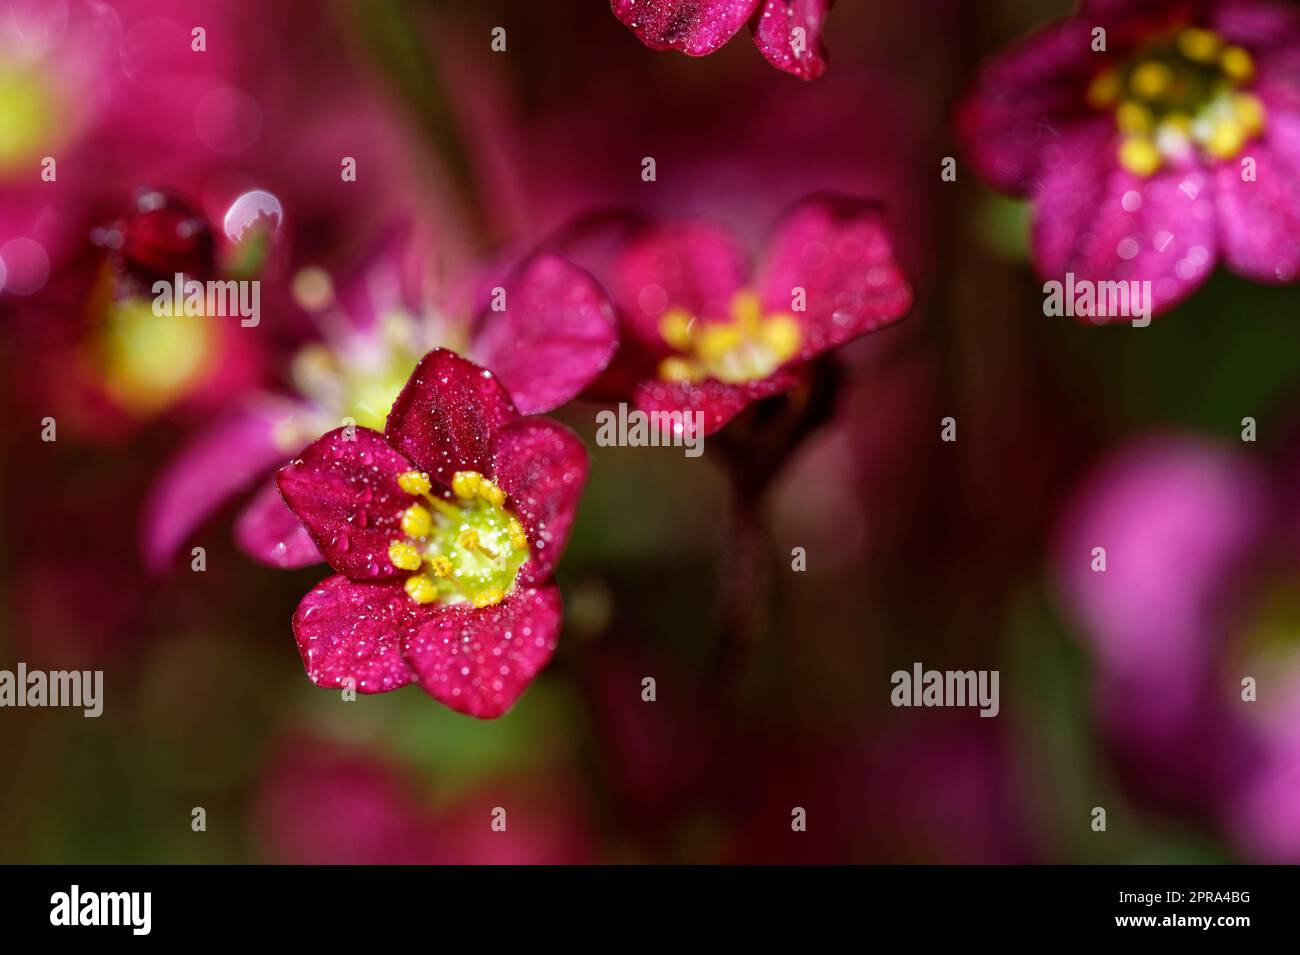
{"points": [[491, 493], [470, 540], [488, 597], [675, 327], [1226, 138], [440, 566], [1151, 79], [443, 507], [1249, 112], [421, 589], [404, 556], [1133, 117], [1138, 154], [716, 339], [1199, 46], [465, 483], [782, 335], [747, 308], [515, 530], [416, 521], [1104, 90], [1237, 64], [675, 369], [413, 482]]}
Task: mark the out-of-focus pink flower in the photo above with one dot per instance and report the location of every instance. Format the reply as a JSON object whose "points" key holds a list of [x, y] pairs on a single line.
{"points": [[788, 32], [444, 530], [1175, 146], [546, 331], [326, 803], [1192, 594], [712, 337]]}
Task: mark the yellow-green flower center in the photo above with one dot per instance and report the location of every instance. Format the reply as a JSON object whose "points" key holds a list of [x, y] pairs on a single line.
{"points": [[748, 345], [148, 361], [1182, 94], [466, 549], [27, 112]]}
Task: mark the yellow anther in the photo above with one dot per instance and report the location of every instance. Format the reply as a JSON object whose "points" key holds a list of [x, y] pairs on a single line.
{"points": [[1151, 79], [1198, 45], [465, 483], [404, 556], [489, 596], [782, 335], [416, 521], [413, 482], [515, 531], [675, 327], [1249, 112], [1226, 138], [1138, 154], [1133, 117], [421, 589], [717, 339], [440, 566], [1104, 90], [1237, 64], [675, 369], [747, 308], [491, 492], [470, 540]]}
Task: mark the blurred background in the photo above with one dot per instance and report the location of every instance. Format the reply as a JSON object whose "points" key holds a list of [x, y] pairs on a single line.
{"points": [[960, 555]]}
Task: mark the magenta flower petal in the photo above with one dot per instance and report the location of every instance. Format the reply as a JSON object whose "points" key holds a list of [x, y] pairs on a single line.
{"points": [[216, 465], [694, 266], [717, 401], [839, 252], [1103, 223], [353, 630], [1175, 517], [696, 27], [1014, 113], [1259, 221], [346, 493], [774, 28], [447, 416], [269, 532], [556, 335], [542, 466], [1260, 26], [479, 661]]}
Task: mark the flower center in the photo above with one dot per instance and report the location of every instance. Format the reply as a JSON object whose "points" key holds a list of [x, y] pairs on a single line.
{"points": [[26, 108], [149, 361], [746, 346], [467, 549], [1181, 95]]}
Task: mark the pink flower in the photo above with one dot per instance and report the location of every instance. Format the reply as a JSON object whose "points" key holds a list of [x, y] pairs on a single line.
{"points": [[711, 336], [1175, 147], [554, 333], [1196, 593], [788, 32], [444, 530]]}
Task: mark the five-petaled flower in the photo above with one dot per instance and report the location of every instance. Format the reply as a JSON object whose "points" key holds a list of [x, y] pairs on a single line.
{"points": [[787, 32], [712, 338], [444, 531], [1175, 146], [555, 334]]}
